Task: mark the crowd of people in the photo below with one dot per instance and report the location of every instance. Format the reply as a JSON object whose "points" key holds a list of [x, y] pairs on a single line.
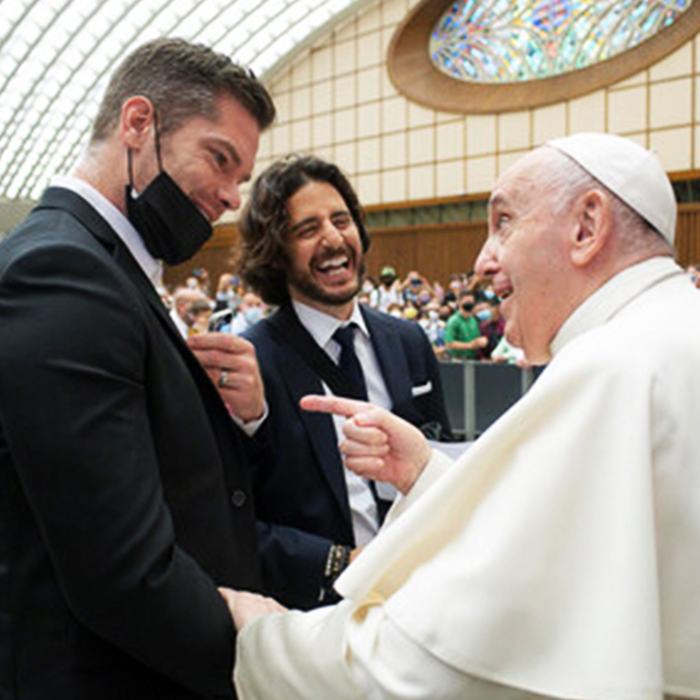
{"points": [[462, 318]]}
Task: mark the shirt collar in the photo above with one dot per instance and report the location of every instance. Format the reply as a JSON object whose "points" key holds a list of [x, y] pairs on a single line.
{"points": [[152, 268], [322, 325], [616, 293]]}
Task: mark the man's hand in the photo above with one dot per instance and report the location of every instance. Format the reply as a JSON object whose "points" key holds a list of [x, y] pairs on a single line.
{"points": [[230, 362], [246, 607], [378, 445]]}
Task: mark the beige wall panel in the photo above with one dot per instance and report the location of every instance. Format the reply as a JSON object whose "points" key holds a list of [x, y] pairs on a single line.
{"points": [[281, 139], [322, 130], [548, 123], [345, 156], [670, 103], [388, 89], [393, 11], [344, 57], [450, 178], [587, 113], [301, 135], [301, 103], [369, 50], [322, 97], [301, 72], [394, 150], [368, 155], [368, 120], [345, 125], [283, 103], [369, 85], [419, 116], [674, 147], [421, 145], [264, 146], [450, 140], [481, 174], [369, 20], [421, 182], [322, 64], [368, 188], [346, 31], [679, 63], [627, 110], [394, 114], [514, 131], [696, 149], [345, 93], [394, 187], [481, 135]]}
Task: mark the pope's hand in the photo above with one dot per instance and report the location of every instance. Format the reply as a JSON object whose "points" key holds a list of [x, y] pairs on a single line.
{"points": [[378, 445], [246, 607], [230, 362]]}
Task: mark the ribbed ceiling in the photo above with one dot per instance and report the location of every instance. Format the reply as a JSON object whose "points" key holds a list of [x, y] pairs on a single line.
{"points": [[56, 57]]}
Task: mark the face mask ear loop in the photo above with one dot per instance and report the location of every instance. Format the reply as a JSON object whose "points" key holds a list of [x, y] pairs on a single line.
{"points": [[157, 137], [130, 170]]}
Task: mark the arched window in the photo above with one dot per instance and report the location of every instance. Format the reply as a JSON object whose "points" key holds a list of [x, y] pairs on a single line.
{"points": [[500, 55]]}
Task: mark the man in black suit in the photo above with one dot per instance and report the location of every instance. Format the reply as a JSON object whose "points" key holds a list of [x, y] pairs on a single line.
{"points": [[303, 249], [124, 489]]}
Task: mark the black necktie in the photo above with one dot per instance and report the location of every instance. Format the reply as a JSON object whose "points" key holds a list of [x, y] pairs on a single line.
{"points": [[349, 364]]}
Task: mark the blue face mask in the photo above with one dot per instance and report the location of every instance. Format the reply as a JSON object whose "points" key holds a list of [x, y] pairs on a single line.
{"points": [[484, 315], [252, 314]]}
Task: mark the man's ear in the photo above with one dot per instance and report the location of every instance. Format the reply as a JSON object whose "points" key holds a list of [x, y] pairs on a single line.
{"points": [[592, 229], [137, 119]]}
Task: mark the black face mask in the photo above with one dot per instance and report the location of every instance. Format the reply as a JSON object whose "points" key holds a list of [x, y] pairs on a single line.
{"points": [[467, 307], [172, 227]]}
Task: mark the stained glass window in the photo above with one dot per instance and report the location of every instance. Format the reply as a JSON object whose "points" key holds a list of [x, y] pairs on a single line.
{"points": [[507, 41]]}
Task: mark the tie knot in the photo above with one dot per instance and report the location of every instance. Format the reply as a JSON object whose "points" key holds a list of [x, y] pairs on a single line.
{"points": [[345, 336]]}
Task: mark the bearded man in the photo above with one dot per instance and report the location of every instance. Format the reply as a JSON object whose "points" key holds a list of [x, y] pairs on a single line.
{"points": [[304, 242]]}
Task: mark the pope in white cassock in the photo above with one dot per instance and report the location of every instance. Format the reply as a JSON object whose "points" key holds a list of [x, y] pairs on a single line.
{"points": [[560, 556]]}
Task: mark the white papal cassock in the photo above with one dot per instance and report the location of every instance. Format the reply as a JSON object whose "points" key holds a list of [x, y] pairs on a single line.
{"points": [[560, 556]]}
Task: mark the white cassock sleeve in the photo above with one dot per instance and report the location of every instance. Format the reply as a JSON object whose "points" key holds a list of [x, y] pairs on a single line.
{"points": [[329, 653]]}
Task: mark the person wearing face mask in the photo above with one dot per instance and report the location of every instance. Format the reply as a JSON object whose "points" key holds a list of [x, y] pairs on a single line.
{"points": [[303, 248], [131, 504], [491, 323], [250, 311], [463, 339]]}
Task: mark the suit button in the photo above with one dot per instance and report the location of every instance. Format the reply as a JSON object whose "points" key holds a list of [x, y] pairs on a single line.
{"points": [[238, 498]]}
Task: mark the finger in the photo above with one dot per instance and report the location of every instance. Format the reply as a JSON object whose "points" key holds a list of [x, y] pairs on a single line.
{"points": [[333, 404], [222, 342], [368, 467], [367, 435]]}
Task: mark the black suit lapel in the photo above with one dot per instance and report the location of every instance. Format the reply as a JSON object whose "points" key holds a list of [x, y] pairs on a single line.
{"points": [[392, 359], [301, 379], [59, 198]]}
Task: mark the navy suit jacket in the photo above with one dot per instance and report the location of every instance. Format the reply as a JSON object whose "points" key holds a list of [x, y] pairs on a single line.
{"points": [[300, 492], [123, 481]]}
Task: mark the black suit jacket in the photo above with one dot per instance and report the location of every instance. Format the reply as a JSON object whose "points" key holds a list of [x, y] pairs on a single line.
{"points": [[298, 480], [118, 463]]}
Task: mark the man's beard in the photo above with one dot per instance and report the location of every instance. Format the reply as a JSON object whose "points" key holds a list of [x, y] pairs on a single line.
{"points": [[303, 280]]}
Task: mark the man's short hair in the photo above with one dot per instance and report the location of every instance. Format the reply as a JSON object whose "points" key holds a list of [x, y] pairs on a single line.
{"points": [[264, 225], [182, 80]]}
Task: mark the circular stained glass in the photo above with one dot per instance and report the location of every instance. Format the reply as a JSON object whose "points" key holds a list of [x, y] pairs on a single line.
{"points": [[511, 41]]}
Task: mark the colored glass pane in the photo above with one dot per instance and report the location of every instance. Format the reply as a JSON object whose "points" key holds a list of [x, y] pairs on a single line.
{"points": [[505, 41]]}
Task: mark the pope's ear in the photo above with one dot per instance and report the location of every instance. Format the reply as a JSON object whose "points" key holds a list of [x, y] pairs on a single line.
{"points": [[136, 124], [592, 229]]}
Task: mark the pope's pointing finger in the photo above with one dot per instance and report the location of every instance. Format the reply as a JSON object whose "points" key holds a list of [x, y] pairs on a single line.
{"points": [[334, 404]]}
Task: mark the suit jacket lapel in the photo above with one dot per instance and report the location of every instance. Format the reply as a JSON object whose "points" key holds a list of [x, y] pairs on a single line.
{"points": [[59, 198], [392, 359], [301, 379]]}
